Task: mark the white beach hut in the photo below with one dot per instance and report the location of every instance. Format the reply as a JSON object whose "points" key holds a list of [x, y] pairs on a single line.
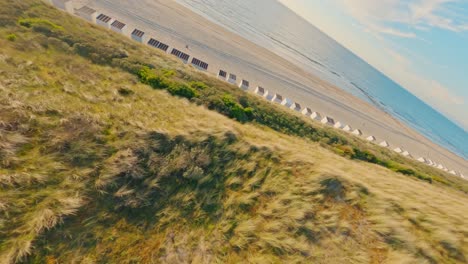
{"points": [[357, 132], [223, 75], [137, 35], [66, 5], [287, 102], [199, 64], [452, 172], [430, 162], [179, 54], [296, 107], [384, 144], [406, 154], [316, 116], [398, 150], [232, 78], [159, 45], [347, 128], [307, 111], [117, 26], [440, 166], [277, 98], [422, 160], [103, 20], [244, 85], [338, 125], [87, 13], [260, 91], [327, 121], [371, 138]]}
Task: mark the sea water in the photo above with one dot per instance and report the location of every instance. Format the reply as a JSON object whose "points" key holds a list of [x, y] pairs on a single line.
{"points": [[273, 26]]}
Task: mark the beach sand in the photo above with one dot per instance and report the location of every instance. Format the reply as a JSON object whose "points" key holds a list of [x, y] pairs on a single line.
{"points": [[178, 26]]}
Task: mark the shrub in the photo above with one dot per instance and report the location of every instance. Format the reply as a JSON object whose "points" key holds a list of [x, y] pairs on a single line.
{"points": [[147, 76], [198, 85], [182, 90], [11, 37]]}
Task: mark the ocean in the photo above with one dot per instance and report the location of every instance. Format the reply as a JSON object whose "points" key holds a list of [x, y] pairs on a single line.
{"points": [[271, 25]]}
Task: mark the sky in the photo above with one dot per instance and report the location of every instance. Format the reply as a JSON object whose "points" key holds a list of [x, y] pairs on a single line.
{"points": [[421, 44]]}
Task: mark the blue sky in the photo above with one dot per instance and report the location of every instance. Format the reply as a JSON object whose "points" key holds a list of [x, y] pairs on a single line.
{"points": [[421, 44]]}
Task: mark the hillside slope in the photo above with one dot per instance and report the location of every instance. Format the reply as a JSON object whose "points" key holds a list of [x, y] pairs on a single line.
{"points": [[112, 152]]}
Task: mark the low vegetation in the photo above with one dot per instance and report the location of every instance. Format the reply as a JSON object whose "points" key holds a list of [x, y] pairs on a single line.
{"points": [[111, 152]]}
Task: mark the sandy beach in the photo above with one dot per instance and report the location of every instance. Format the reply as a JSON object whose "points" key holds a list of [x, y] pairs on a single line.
{"points": [[179, 27]]}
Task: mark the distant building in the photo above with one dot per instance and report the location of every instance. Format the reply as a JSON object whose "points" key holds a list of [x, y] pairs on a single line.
{"points": [[201, 65], [328, 121], [384, 144], [137, 35], [87, 13], [244, 85], [66, 5], [287, 102], [357, 132], [117, 26], [277, 98], [338, 125], [103, 20], [307, 111], [440, 166], [371, 138], [260, 91], [406, 154], [232, 78], [223, 75], [452, 172], [159, 45], [347, 128]]}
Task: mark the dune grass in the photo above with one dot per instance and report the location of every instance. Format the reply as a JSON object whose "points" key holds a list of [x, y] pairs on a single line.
{"points": [[97, 166]]}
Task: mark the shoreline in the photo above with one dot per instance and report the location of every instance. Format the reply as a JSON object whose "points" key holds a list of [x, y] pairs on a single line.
{"points": [[178, 26]]}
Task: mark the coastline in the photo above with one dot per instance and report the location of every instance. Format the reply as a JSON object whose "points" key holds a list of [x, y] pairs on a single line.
{"points": [[178, 26]]}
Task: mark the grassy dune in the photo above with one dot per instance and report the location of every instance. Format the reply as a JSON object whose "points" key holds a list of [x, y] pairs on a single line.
{"points": [[112, 152]]}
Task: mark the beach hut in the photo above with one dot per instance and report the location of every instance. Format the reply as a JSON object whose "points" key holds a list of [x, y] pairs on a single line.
{"points": [[327, 121], [371, 138], [277, 98], [347, 128], [201, 65], [287, 102], [429, 162], [384, 144], [66, 5], [117, 26], [103, 20], [232, 78], [452, 172], [422, 160], [296, 107], [87, 13], [260, 91], [244, 85], [398, 150], [316, 116], [223, 75], [338, 125], [440, 166], [159, 45], [181, 55], [462, 176], [307, 111], [137, 35], [357, 132], [406, 154]]}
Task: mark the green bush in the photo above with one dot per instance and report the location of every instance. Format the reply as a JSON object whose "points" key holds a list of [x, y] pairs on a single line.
{"points": [[182, 90], [147, 76], [11, 37]]}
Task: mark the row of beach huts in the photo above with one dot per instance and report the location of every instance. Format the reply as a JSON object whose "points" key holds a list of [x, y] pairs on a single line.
{"points": [[138, 35]]}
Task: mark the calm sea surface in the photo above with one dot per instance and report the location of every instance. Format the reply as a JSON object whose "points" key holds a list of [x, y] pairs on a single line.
{"points": [[275, 27]]}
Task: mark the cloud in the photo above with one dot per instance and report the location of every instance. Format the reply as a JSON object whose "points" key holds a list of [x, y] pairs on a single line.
{"points": [[390, 16]]}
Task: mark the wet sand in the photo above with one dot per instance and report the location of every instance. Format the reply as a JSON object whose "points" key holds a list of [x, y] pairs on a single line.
{"points": [[177, 26]]}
